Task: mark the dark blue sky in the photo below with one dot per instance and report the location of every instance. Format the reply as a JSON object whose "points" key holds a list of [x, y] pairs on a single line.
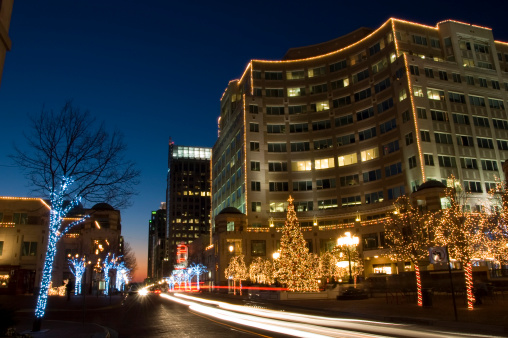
{"points": [[157, 68]]}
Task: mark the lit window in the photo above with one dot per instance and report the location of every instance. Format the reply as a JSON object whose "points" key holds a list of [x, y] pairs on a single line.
{"points": [[321, 106], [347, 160], [418, 91], [296, 92], [402, 95], [278, 206], [324, 163], [435, 94], [370, 154], [301, 165]]}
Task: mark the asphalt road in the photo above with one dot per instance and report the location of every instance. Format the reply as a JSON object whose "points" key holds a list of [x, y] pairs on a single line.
{"points": [[152, 316]]}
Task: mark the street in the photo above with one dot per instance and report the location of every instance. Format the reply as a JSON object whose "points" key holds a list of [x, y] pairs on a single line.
{"points": [[210, 315]]}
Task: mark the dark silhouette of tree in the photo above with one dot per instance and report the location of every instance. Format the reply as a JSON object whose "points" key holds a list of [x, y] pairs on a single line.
{"points": [[129, 259], [72, 144]]}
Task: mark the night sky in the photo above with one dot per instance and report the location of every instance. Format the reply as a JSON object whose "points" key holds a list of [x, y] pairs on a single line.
{"points": [[156, 69]]}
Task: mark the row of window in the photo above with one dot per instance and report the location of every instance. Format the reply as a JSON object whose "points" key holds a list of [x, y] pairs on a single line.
{"points": [[322, 70], [439, 95], [27, 248], [455, 77], [332, 203], [465, 162]]}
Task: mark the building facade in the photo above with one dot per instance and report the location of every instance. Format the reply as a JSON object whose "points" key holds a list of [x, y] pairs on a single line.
{"points": [[24, 224], [98, 237], [188, 197], [5, 22], [347, 126]]}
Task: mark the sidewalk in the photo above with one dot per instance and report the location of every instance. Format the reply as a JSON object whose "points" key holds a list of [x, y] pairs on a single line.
{"points": [[63, 318], [489, 318]]}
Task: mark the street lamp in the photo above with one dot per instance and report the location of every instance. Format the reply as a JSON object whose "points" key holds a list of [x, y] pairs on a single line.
{"points": [[348, 243]]}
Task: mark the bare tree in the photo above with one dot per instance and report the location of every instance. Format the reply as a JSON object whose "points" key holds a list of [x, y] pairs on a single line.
{"points": [[71, 144], [129, 258], [69, 157]]}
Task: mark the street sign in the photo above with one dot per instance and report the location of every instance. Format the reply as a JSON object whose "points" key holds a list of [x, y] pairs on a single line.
{"points": [[437, 254]]}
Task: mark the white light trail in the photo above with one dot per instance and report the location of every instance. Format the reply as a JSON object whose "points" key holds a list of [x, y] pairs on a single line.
{"points": [[303, 325]]}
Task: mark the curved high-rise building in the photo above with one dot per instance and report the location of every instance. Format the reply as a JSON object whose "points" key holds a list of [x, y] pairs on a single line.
{"points": [[347, 126]]}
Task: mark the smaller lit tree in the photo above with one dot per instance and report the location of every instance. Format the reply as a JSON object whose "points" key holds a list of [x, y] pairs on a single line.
{"points": [[328, 266], [236, 271], [261, 271], [462, 232], [496, 224], [408, 236], [78, 267], [122, 276], [198, 270], [109, 263], [178, 277]]}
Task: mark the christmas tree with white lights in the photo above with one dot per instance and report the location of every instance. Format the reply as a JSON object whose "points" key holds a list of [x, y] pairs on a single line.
{"points": [[296, 265]]}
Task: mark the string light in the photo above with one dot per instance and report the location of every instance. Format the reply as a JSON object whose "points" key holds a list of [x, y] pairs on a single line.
{"points": [[122, 276], [110, 262], [236, 271], [415, 118], [57, 212], [407, 235], [462, 233], [78, 268], [261, 271]]}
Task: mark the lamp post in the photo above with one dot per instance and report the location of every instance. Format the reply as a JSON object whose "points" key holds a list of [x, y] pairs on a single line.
{"points": [[348, 243]]}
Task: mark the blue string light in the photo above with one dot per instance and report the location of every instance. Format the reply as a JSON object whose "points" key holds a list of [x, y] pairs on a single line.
{"points": [[78, 267], [57, 213]]}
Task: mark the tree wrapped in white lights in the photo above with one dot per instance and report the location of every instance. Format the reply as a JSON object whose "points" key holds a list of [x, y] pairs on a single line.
{"points": [[261, 271], [122, 276], [78, 267], [296, 267], [69, 157], [462, 232], [187, 277], [236, 271], [408, 235], [110, 262], [198, 270], [178, 277], [57, 229]]}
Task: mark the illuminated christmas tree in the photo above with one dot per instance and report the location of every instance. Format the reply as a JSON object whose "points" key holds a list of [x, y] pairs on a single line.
{"points": [[261, 271], [407, 235], [462, 232], [328, 266], [296, 267], [236, 271], [496, 225]]}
